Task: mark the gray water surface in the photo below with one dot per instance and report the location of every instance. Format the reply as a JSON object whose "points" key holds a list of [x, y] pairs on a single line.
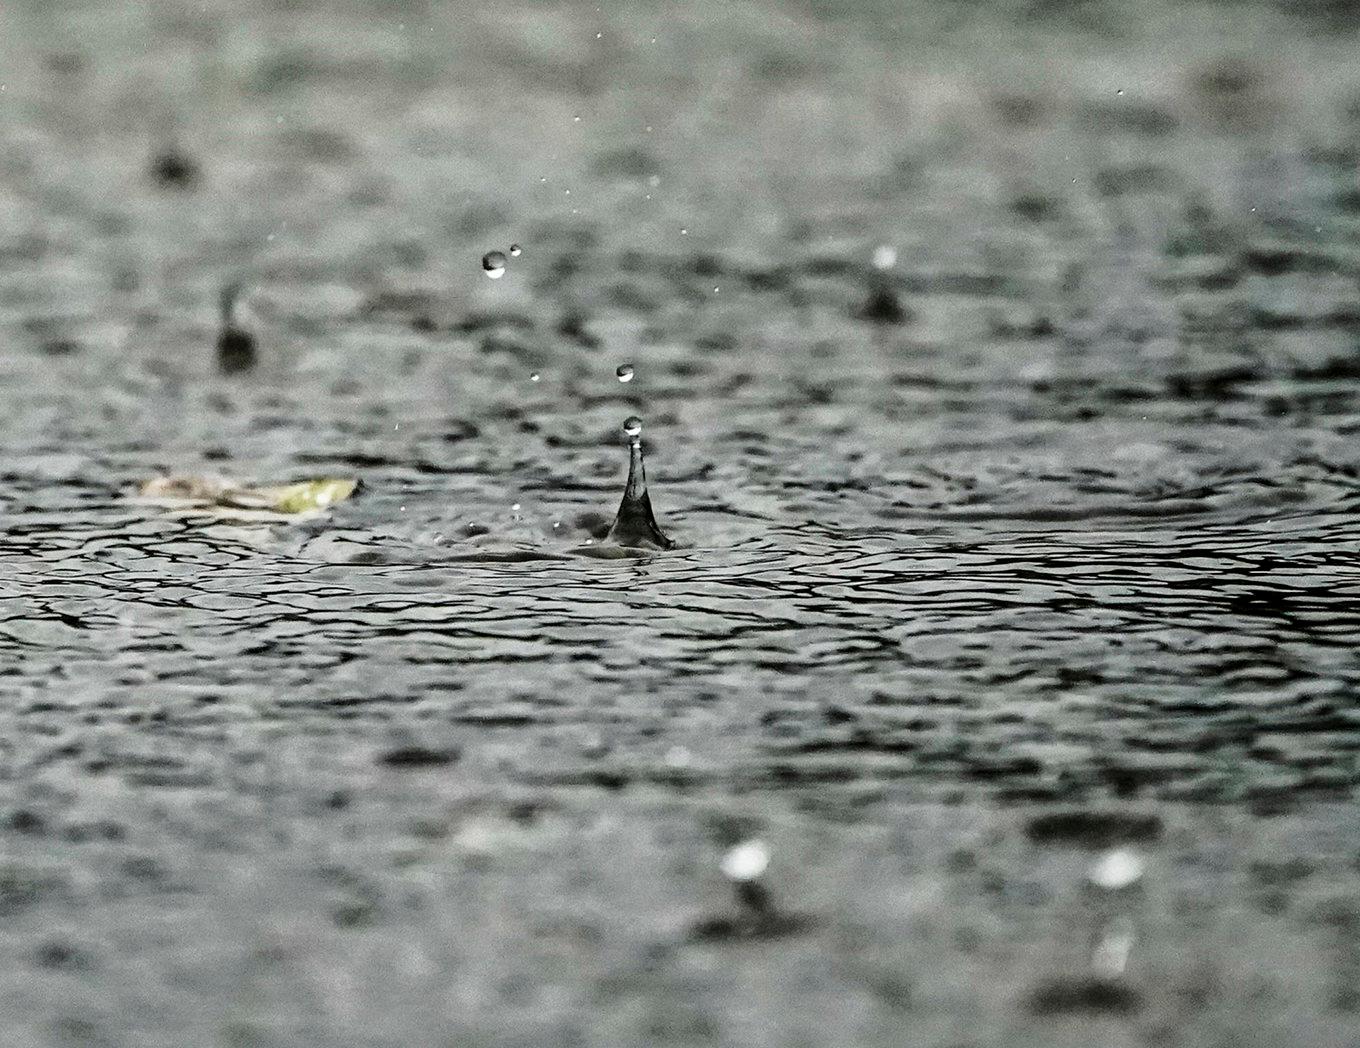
{"points": [[1055, 514]]}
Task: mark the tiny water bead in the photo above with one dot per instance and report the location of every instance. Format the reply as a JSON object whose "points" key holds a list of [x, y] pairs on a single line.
{"points": [[534, 376], [1116, 869], [885, 256], [625, 374], [494, 264], [516, 251], [746, 861], [632, 426]]}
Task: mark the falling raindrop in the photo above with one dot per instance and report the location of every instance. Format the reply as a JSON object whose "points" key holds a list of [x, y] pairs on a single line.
{"points": [[1111, 954], [494, 264], [885, 256], [1120, 91], [576, 120], [684, 232], [1116, 869], [625, 374], [516, 251], [533, 376], [745, 861]]}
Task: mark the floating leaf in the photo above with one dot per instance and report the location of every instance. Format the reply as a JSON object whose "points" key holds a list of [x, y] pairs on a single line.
{"points": [[193, 489], [308, 496]]}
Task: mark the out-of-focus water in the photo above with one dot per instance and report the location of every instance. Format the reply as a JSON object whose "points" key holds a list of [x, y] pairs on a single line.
{"points": [[1057, 504]]}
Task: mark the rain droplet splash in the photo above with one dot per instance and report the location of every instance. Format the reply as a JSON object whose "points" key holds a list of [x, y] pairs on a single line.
{"points": [[534, 376], [516, 251], [625, 374], [494, 264], [635, 524]]}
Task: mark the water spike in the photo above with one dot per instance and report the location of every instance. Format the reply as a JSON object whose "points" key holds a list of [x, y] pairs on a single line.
{"points": [[635, 524], [235, 345]]}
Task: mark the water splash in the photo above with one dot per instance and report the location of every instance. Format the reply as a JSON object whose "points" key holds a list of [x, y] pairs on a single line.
{"points": [[494, 264], [516, 251], [624, 372], [235, 345], [635, 524]]}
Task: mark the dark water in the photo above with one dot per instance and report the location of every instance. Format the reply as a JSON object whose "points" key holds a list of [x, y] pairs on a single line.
{"points": [[1057, 508]]}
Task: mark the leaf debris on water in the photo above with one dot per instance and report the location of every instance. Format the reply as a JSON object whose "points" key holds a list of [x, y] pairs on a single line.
{"points": [[211, 492]]}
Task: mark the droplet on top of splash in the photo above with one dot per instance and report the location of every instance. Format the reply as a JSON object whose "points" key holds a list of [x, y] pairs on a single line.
{"points": [[625, 372], [635, 524], [494, 264]]}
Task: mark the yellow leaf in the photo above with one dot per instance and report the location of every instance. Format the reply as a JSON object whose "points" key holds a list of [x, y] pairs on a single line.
{"points": [[309, 495]]}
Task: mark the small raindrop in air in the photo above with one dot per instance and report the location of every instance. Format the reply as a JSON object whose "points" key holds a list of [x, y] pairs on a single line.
{"points": [[885, 256], [533, 376], [516, 251], [576, 120], [624, 372], [494, 264], [1120, 91], [1116, 869], [632, 426], [745, 861]]}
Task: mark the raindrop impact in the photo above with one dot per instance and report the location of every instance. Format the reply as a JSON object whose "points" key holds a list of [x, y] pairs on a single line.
{"points": [[235, 344], [533, 376], [635, 524], [625, 374], [494, 264], [516, 251]]}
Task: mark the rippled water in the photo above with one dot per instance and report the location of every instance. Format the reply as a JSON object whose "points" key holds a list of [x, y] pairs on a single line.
{"points": [[1056, 505]]}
